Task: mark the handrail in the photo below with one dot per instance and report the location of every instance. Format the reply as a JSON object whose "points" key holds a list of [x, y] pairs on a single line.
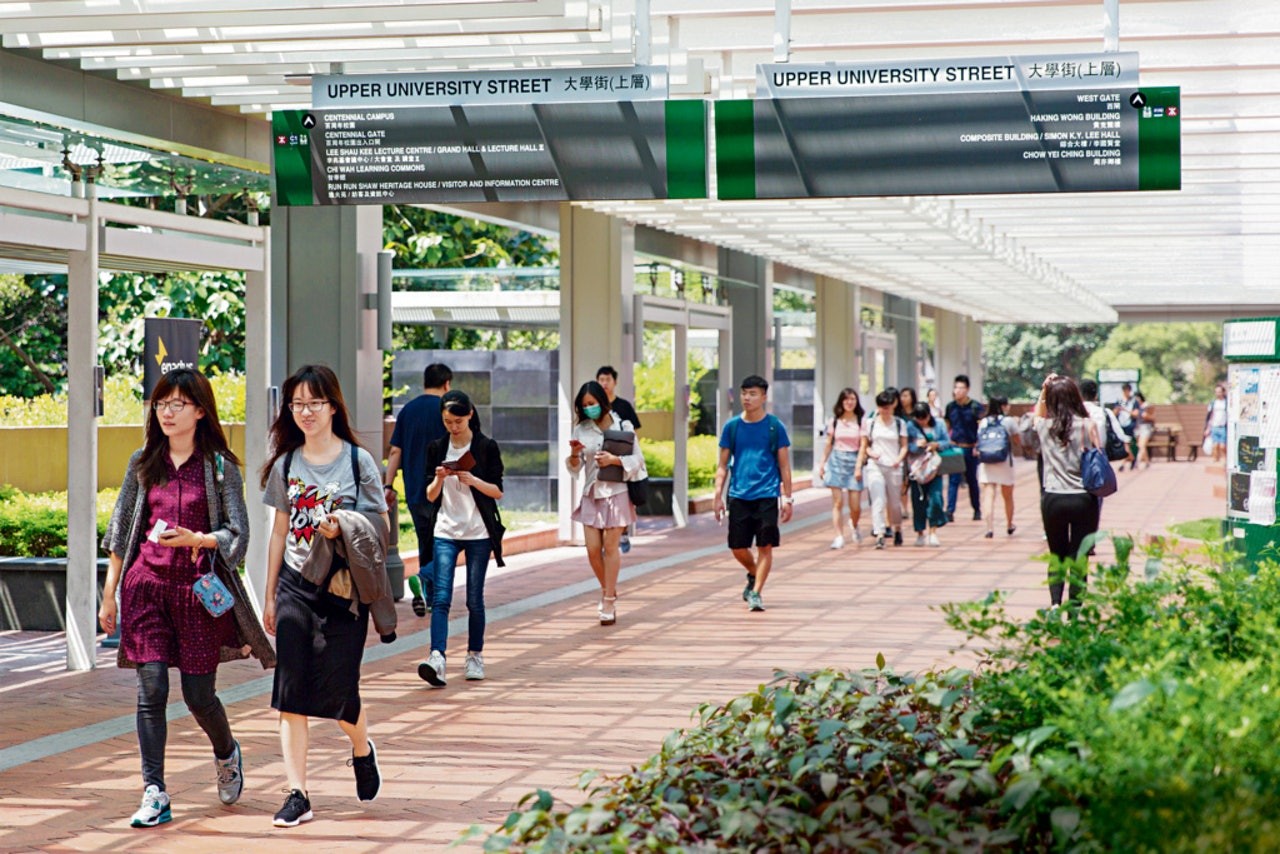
{"points": [[11, 197], [110, 212]]}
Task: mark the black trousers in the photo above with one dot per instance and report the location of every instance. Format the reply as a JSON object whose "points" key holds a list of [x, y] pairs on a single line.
{"points": [[199, 693], [1069, 517]]}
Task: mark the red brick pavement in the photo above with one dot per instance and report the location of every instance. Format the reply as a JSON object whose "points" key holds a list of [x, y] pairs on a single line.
{"points": [[564, 694]]}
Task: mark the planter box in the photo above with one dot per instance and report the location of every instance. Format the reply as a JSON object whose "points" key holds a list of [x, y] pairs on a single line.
{"points": [[33, 593]]}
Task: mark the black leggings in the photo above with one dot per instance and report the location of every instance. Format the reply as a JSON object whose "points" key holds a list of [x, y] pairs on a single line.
{"points": [[153, 728], [1069, 517]]}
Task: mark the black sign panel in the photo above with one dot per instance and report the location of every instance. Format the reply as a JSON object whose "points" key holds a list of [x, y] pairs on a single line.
{"points": [[171, 343]]}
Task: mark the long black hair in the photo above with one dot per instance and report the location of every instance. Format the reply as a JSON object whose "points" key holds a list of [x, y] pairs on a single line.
{"points": [[456, 402], [846, 393], [996, 404], [286, 435], [194, 388], [593, 388], [902, 411], [922, 410]]}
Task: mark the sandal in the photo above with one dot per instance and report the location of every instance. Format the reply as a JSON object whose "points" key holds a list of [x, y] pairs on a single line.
{"points": [[1012, 528], [608, 617]]}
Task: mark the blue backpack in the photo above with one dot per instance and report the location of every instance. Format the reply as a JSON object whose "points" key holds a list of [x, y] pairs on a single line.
{"points": [[993, 442]]}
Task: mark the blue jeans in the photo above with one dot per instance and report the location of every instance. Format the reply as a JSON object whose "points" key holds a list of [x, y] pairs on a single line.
{"points": [[446, 561], [970, 477]]}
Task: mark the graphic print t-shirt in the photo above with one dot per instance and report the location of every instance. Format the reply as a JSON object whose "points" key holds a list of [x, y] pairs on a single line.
{"points": [[314, 491]]}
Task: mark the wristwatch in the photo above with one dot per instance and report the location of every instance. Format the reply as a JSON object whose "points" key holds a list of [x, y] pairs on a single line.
{"points": [[787, 499]]}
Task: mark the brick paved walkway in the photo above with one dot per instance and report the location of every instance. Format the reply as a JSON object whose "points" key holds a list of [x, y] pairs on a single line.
{"points": [[564, 694]]}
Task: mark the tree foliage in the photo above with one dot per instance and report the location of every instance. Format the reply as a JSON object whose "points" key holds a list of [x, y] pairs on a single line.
{"points": [[1016, 357]]}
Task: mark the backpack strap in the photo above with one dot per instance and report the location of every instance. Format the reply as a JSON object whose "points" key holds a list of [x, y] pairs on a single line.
{"points": [[355, 471]]}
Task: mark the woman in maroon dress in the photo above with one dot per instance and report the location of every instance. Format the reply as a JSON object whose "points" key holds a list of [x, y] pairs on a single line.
{"points": [[182, 499]]}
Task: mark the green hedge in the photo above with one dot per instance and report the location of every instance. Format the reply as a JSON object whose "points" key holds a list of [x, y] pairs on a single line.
{"points": [[1144, 720], [659, 459], [35, 524]]}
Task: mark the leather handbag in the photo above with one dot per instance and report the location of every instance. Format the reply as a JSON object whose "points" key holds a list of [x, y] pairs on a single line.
{"points": [[212, 593], [621, 443]]}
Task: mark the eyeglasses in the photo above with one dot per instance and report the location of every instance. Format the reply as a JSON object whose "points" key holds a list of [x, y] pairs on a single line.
{"points": [[311, 406], [174, 406]]}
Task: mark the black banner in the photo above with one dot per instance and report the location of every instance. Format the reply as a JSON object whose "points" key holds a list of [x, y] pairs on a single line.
{"points": [[171, 343]]}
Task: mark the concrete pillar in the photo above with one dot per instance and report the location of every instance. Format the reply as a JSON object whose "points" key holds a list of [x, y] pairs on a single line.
{"points": [[82, 448], [597, 283], [680, 425], [750, 292], [839, 309], [323, 262], [959, 345], [977, 376], [258, 415]]}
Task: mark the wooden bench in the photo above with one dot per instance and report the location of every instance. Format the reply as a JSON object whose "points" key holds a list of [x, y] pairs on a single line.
{"points": [[1165, 439]]}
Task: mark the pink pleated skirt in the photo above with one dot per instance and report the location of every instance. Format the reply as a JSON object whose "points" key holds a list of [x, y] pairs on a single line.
{"points": [[616, 511]]}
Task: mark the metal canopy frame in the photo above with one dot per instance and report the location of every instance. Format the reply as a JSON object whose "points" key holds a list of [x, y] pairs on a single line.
{"points": [[86, 236]]}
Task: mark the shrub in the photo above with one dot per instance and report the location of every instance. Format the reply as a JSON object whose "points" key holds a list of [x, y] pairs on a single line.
{"points": [[824, 761], [122, 403], [35, 525], [704, 453]]}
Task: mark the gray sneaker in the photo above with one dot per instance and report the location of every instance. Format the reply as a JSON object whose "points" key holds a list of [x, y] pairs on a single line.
{"points": [[746, 591], [432, 669], [230, 776], [753, 601], [154, 809], [474, 667]]}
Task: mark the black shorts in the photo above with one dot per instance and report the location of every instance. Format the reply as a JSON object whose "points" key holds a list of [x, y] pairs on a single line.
{"points": [[753, 520]]}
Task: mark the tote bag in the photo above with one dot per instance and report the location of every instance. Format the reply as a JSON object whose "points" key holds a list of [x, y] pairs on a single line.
{"points": [[1095, 470]]}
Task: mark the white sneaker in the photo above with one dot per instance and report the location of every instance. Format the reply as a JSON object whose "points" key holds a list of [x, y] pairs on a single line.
{"points": [[857, 536], [154, 809], [432, 670], [474, 667], [934, 541], [919, 540], [838, 542]]}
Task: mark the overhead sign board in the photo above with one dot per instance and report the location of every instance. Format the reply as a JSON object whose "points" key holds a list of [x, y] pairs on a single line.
{"points": [[492, 153], [169, 343], [970, 74], [517, 86], [921, 145]]}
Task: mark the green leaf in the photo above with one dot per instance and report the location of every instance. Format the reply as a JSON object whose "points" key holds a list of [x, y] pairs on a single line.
{"points": [[828, 728], [828, 781], [1020, 792], [1132, 694], [880, 661], [1065, 820]]}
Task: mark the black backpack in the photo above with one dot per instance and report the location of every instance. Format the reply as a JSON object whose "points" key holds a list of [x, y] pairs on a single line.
{"points": [[1117, 448]]}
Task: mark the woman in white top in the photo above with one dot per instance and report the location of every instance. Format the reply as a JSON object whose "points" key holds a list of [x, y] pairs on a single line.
{"points": [[935, 408], [1070, 511], [884, 447], [998, 475], [605, 509], [1215, 423], [840, 460]]}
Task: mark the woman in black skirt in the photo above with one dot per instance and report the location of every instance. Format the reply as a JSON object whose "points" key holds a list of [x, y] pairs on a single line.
{"points": [[318, 466]]}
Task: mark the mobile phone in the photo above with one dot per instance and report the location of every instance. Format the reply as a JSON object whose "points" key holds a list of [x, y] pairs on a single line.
{"points": [[159, 528]]}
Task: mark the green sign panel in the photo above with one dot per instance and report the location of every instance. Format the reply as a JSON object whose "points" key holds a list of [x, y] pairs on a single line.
{"points": [[492, 153], [1043, 141]]}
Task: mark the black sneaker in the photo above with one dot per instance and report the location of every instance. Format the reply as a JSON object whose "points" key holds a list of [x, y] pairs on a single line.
{"points": [[951, 516], [296, 810], [897, 538], [751, 584], [368, 778], [977, 515]]}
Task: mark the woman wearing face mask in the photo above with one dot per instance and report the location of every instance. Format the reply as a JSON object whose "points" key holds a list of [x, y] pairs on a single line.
{"points": [[184, 482], [466, 468], [317, 467], [605, 510]]}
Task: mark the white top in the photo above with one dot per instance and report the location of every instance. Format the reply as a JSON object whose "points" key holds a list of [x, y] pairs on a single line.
{"points": [[592, 438], [1218, 410], [884, 438], [458, 519], [1101, 415]]}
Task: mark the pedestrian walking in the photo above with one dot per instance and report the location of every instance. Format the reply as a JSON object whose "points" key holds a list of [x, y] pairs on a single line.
{"points": [[884, 448], [1215, 423], [755, 463], [1069, 511], [997, 443], [926, 434], [840, 461], [907, 400], [180, 514], [1144, 427], [318, 603], [466, 485], [607, 377], [417, 426], [604, 509], [935, 406], [963, 414]]}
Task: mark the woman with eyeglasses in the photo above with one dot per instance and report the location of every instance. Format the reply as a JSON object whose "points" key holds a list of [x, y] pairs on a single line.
{"points": [[317, 466], [181, 501], [462, 511]]}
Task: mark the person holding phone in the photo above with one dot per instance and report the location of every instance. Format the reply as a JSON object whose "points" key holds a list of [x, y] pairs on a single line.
{"points": [[462, 507], [317, 466], [605, 509], [181, 500]]}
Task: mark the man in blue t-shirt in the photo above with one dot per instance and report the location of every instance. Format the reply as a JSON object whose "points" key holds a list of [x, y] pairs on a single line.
{"points": [[757, 444], [418, 425], [963, 415]]}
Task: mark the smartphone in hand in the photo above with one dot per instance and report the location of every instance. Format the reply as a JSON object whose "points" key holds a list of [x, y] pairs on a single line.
{"points": [[159, 528]]}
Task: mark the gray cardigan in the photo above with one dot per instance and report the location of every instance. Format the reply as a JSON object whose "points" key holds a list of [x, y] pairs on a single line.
{"points": [[229, 525]]}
